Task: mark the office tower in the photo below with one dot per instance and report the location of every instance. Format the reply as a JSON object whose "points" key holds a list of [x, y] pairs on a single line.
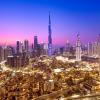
{"points": [[44, 48], [18, 47], [94, 49], [1, 53], [84, 49], [90, 50], [26, 45], [22, 47], [35, 42], [10, 50], [98, 42], [17, 61], [67, 48], [78, 48], [61, 50], [32, 47], [49, 38], [5, 53]]}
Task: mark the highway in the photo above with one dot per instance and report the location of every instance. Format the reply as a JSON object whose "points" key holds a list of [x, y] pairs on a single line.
{"points": [[54, 95], [3, 66]]}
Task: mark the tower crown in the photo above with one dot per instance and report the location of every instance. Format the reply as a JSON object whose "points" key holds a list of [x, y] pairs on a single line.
{"points": [[49, 19]]}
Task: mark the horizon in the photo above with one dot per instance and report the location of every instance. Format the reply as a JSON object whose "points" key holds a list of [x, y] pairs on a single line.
{"points": [[23, 19]]}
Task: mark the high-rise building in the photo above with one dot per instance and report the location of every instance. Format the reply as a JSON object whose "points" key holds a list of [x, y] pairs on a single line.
{"points": [[89, 49], [98, 42], [94, 49], [10, 50], [17, 61], [49, 38], [1, 53], [78, 48], [35, 42], [5, 53], [67, 48], [18, 47], [61, 50], [44, 48], [99, 54], [26, 45]]}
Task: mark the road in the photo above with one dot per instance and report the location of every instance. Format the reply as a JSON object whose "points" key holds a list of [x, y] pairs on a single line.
{"points": [[3, 66], [54, 95]]}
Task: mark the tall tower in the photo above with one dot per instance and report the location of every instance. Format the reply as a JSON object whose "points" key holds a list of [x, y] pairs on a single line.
{"points": [[18, 47], [90, 49], [78, 48], [49, 37], [99, 54], [26, 45], [98, 43], [35, 42]]}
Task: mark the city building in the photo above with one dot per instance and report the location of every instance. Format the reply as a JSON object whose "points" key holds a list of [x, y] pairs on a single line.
{"points": [[67, 47], [98, 42], [44, 48], [94, 49], [17, 61], [1, 53], [49, 38], [61, 50], [19, 47], [26, 45], [78, 48], [10, 50], [5, 53], [89, 49], [35, 42]]}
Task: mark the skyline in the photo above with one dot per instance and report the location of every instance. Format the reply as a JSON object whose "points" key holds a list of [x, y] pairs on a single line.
{"points": [[22, 19]]}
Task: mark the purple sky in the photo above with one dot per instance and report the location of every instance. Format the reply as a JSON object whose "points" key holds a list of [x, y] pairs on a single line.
{"points": [[22, 19]]}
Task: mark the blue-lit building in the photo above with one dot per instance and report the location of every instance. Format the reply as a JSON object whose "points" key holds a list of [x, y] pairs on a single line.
{"points": [[49, 38]]}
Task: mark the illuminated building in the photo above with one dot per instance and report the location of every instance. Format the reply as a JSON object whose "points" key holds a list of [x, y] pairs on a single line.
{"points": [[89, 49], [44, 48], [18, 47], [17, 61], [67, 48], [99, 53], [49, 38], [49, 85], [94, 49], [35, 42], [10, 50], [26, 45], [78, 48], [98, 45], [1, 53], [5, 53]]}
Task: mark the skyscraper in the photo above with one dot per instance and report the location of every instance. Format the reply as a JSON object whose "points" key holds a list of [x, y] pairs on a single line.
{"points": [[35, 43], [1, 53], [26, 45], [98, 42], [99, 54], [78, 48], [19, 47], [49, 37], [95, 49], [90, 49]]}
